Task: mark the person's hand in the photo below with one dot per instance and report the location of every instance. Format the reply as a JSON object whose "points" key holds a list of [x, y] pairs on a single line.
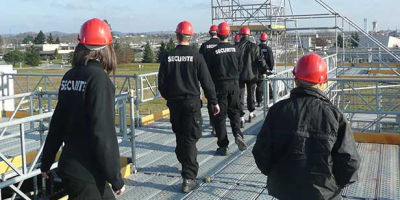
{"points": [[215, 109], [120, 191], [44, 174]]}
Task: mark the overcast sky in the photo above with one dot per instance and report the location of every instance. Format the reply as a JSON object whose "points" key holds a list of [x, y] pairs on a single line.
{"points": [[157, 15]]}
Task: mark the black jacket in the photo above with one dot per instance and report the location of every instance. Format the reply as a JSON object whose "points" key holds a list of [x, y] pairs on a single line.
{"points": [[306, 148], [253, 61], [205, 49], [179, 75], [266, 51], [84, 121], [206, 46], [224, 62]]}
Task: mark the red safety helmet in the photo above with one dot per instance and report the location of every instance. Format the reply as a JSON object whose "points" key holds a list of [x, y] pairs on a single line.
{"points": [[224, 29], [95, 32], [264, 36], [184, 28], [244, 31], [213, 28], [311, 68], [237, 38]]}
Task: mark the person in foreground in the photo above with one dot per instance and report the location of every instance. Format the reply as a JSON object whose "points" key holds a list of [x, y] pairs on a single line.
{"points": [[306, 146], [179, 75], [84, 120]]}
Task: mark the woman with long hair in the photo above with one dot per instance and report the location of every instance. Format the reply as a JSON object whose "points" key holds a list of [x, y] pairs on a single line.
{"points": [[84, 120]]}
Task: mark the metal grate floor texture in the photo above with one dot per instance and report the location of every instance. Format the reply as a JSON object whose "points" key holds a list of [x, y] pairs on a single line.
{"points": [[232, 177], [236, 176]]}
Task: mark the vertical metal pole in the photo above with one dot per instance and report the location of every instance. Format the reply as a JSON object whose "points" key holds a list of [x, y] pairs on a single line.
{"points": [[212, 11], [124, 127], [137, 101], [49, 106], [8, 85], [120, 110], [156, 84], [378, 107], [133, 133], [32, 124], [344, 45], [45, 83], [27, 84], [285, 48], [41, 132], [23, 149], [141, 89], [2, 94], [380, 57], [342, 96], [337, 46], [266, 96]]}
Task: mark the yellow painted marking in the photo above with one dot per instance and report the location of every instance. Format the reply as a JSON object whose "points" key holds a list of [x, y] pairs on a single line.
{"points": [[380, 138]]}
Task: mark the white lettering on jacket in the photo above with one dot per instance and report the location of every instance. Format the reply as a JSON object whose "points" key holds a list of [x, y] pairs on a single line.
{"points": [[180, 58], [225, 50], [73, 85], [210, 46]]}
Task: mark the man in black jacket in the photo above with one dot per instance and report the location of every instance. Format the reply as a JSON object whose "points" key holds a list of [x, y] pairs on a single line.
{"points": [[253, 62], [225, 66], [266, 51], [306, 146], [204, 49], [178, 82]]}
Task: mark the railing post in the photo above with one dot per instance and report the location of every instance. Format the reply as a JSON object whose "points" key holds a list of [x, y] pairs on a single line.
{"points": [[41, 136], [3, 111], [342, 95], [137, 102], [133, 132], [266, 96], [31, 110]]}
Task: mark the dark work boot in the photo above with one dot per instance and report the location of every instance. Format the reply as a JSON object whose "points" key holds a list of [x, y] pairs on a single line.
{"points": [[189, 185], [239, 140], [213, 134], [251, 116], [223, 151], [259, 104]]}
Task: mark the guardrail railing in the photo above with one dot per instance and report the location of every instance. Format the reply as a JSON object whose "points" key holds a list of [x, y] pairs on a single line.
{"points": [[37, 125]]}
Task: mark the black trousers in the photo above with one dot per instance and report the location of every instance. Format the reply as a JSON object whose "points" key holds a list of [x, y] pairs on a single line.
{"points": [[210, 114], [187, 125], [228, 94], [259, 91], [81, 190], [251, 89]]}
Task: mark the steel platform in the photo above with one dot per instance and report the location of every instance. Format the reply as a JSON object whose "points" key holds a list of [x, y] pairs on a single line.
{"points": [[236, 176], [232, 177]]}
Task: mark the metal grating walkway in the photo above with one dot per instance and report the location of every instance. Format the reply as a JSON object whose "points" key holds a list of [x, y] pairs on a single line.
{"points": [[236, 176], [232, 177]]}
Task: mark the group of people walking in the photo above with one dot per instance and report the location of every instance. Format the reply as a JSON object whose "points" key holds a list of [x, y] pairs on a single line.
{"points": [[305, 146]]}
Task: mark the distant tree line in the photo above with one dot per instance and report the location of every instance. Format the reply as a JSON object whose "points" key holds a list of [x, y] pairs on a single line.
{"points": [[41, 39], [352, 41], [30, 57]]}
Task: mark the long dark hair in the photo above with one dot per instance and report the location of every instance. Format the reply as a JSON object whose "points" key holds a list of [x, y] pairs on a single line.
{"points": [[106, 56]]}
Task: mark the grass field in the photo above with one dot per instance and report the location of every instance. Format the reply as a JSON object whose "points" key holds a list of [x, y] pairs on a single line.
{"points": [[29, 83]]}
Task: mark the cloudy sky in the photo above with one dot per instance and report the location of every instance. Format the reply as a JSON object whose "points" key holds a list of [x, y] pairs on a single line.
{"points": [[157, 15]]}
